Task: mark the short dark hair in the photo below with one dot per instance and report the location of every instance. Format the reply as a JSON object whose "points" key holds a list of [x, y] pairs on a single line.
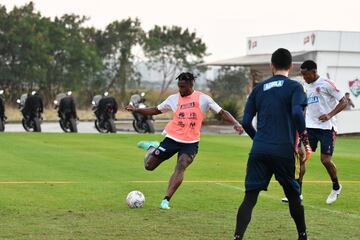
{"points": [[308, 65], [281, 59], [186, 76]]}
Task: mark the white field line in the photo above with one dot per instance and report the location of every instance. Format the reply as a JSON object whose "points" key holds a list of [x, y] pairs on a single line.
{"points": [[267, 195], [161, 181], [231, 181], [36, 182]]}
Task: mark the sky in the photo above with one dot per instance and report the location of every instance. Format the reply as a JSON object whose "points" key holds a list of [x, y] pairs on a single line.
{"points": [[222, 24]]}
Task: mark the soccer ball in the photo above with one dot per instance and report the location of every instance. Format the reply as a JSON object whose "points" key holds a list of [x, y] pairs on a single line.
{"points": [[135, 199]]}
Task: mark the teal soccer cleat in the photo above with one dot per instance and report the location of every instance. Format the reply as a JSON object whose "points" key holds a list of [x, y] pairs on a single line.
{"points": [[147, 144], [164, 204]]}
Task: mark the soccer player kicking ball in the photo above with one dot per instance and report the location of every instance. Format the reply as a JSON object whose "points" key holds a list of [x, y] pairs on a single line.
{"points": [[182, 133]]}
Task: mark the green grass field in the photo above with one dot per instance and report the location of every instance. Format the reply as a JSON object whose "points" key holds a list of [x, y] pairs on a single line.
{"points": [[73, 186]]}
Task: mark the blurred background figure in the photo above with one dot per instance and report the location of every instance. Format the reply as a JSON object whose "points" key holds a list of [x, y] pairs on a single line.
{"points": [[31, 108], [66, 111], [141, 123], [105, 107], [350, 103], [2, 111]]}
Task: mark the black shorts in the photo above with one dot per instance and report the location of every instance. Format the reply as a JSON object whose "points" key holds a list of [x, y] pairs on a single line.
{"points": [[261, 167], [169, 147], [326, 137]]}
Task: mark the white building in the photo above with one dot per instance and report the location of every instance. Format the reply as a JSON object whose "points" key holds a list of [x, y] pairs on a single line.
{"points": [[336, 53]]}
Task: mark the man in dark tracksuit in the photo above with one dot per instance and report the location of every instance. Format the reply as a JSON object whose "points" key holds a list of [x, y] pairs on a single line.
{"points": [[67, 107], [33, 104], [278, 103]]}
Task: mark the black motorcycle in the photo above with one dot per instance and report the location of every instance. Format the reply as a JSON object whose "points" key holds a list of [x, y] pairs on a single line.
{"points": [[31, 109], [66, 112], [105, 108], [2, 112], [141, 123]]}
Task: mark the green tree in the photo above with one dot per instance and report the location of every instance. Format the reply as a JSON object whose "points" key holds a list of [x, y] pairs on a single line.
{"points": [[74, 62], [52, 56], [115, 46], [229, 89], [171, 50], [22, 51]]}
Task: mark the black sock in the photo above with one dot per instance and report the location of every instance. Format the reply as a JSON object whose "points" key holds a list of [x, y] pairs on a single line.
{"points": [[335, 182], [167, 198], [296, 211], [244, 213], [300, 184]]}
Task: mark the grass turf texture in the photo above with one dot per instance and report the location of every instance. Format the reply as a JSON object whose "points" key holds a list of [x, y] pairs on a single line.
{"points": [[73, 186]]}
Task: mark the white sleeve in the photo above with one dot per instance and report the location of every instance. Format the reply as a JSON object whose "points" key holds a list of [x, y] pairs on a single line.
{"points": [[333, 90], [168, 104], [206, 103]]}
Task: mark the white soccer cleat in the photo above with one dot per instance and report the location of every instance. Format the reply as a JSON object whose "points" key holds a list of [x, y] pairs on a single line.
{"points": [[333, 195]]}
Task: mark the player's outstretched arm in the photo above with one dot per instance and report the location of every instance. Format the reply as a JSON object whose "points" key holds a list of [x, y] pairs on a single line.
{"points": [[230, 119], [145, 111], [339, 107]]}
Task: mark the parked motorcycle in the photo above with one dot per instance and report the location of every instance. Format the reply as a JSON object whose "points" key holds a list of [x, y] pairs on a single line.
{"points": [[31, 108], [141, 123], [66, 112], [105, 108], [2, 111]]}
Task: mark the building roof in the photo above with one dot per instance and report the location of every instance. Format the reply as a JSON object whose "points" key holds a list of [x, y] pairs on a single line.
{"points": [[255, 59]]}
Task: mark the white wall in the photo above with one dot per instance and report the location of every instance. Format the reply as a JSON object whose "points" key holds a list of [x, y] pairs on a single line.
{"points": [[348, 122], [342, 67], [305, 41]]}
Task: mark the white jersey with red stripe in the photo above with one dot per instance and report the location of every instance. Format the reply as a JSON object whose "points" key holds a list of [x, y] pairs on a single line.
{"points": [[323, 96]]}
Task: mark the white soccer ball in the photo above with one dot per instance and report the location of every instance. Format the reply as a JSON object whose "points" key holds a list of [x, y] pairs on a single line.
{"points": [[135, 199]]}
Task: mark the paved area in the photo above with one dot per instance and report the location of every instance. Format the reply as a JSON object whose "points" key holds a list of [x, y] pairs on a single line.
{"points": [[121, 126]]}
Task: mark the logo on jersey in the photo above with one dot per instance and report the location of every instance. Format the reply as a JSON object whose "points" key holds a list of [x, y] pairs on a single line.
{"points": [[318, 89], [354, 86], [193, 115], [181, 124], [314, 99], [270, 85], [182, 115], [187, 105]]}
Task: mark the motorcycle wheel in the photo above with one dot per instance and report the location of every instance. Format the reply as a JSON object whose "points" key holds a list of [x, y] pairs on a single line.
{"points": [[138, 128], [37, 125], [110, 125], [73, 126], [2, 125], [100, 129], [150, 126], [25, 126]]}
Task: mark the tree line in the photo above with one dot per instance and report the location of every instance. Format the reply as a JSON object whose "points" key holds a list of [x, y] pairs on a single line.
{"points": [[60, 54]]}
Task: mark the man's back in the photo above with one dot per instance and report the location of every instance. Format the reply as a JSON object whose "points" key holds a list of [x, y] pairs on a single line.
{"points": [[33, 103], [108, 100], [67, 104], [2, 108], [272, 101]]}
